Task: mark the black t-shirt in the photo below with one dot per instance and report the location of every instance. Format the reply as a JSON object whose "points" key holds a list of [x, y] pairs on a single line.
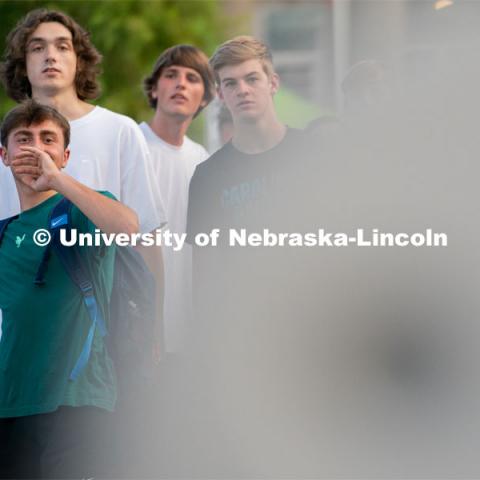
{"points": [[233, 189]]}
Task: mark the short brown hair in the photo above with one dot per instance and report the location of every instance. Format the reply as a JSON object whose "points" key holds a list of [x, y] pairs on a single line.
{"points": [[13, 70], [239, 50], [29, 113], [183, 56]]}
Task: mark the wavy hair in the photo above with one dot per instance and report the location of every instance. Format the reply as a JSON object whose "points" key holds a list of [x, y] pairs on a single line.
{"points": [[13, 69]]}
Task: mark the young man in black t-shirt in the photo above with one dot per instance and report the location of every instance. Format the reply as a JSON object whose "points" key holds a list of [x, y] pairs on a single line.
{"points": [[235, 184], [242, 295]]}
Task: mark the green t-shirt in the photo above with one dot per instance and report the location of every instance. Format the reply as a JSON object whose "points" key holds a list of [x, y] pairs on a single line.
{"points": [[44, 327]]}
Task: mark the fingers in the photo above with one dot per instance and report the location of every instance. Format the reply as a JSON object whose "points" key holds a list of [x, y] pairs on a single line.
{"points": [[25, 160], [27, 170], [34, 153], [33, 150], [25, 164]]}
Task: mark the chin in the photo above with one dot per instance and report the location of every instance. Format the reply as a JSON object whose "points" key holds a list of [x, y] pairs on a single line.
{"points": [[50, 88], [248, 117], [24, 179], [181, 114]]}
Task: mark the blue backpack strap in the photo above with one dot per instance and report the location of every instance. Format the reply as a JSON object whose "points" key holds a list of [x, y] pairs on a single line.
{"points": [[71, 259], [59, 216], [4, 224]]}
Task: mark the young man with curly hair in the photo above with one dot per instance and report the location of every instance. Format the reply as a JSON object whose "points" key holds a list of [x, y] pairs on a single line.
{"points": [[50, 58], [180, 85]]}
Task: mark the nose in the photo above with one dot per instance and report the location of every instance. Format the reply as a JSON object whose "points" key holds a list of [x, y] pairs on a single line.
{"points": [[242, 88], [181, 82], [37, 142], [50, 52]]}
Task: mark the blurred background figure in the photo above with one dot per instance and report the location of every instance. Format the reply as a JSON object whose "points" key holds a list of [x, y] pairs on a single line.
{"points": [[366, 88]]}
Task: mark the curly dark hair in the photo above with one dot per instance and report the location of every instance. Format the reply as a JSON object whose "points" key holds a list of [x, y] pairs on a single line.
{"points": [[13, 70], [182, 56]]}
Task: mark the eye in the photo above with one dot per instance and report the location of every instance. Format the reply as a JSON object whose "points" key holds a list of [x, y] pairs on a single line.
{"points": [[49, 140], [22, 139], [36, 48], [193, 78], [229, 84], [63, 47], [252, 79]]}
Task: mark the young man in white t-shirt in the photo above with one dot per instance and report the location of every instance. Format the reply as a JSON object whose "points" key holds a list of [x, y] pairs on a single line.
{"points": [[180, 86], [50, 58]]}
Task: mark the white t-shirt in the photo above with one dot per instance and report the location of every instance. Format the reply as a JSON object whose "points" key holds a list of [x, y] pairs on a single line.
{"points": [[174, 167], [108, 152], [9, 203]]}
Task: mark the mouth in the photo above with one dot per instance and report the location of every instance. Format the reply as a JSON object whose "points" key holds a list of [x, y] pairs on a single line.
{"points": [[50, 70], [245, 103], [179, 96]]}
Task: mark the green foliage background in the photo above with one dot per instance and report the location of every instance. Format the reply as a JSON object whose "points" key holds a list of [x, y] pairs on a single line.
{"points": [[130, 34]]}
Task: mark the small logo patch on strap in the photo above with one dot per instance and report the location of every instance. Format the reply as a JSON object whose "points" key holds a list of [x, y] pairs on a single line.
{"points": [[59, 221]]}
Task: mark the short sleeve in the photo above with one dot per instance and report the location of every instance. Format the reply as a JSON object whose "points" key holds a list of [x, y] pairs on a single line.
{"points": [[139, 190]]}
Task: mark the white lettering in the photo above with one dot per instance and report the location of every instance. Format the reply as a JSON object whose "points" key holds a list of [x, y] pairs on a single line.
{"points": [[401, 239]]}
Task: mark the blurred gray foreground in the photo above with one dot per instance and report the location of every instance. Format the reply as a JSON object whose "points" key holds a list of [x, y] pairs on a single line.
{"points": [[346, 362]]}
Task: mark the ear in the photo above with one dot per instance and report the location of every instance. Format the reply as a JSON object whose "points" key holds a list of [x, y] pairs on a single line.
{"points": [[3, 154], [154, 88], [66, 156], [274, 83]]}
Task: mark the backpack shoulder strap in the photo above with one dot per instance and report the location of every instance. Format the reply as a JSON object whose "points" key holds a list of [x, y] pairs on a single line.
{"points": [[4, 224], [73, 263], [59, 217]]}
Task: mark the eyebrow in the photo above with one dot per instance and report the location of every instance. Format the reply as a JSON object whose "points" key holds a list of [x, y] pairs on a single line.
{"points": [[175, 68], [56, 39], [254, 72], [48, 132], [22, 132], [29, 133]]}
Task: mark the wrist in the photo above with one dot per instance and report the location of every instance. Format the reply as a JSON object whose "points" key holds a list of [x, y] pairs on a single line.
{"points": [[56, 181]]}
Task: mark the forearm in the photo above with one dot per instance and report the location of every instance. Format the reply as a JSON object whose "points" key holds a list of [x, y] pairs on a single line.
{"points": [[108, 215]]}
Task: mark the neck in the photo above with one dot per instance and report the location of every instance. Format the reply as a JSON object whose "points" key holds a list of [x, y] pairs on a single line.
{"points": [[258, 137], [30, 198], [170, 129], [67, 103]]}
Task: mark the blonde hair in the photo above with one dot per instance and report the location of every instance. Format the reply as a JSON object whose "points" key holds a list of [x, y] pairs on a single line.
{"points": [[239, 50]]}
